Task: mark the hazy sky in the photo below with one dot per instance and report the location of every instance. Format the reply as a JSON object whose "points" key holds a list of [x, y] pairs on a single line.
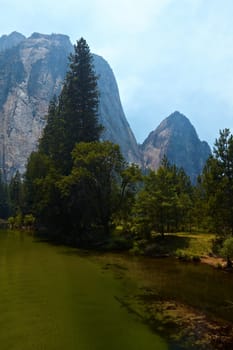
{"points": [[167, 55]]}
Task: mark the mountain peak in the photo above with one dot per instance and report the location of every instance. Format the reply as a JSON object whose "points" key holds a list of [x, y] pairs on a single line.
{"points": [[176, 138], [14, 35], [11, 40], [177, 120], [177, 115]]}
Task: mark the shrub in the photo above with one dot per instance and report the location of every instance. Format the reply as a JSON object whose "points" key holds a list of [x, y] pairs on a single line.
{"points": [[227, 250], [185, 256]]}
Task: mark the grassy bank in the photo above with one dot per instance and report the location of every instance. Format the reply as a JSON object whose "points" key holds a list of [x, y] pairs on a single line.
{"points": [[187, 246]]}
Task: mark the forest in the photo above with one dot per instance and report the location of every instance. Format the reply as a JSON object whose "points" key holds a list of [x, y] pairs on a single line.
{"points": [[78, 190]]}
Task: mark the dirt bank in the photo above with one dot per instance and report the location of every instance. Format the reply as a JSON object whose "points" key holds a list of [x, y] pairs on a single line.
{"points": [[213, 261], [185, 325]]}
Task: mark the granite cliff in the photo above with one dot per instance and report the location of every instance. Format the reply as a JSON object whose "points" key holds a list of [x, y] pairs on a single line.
{"points": [[31, 72], [11, 40], [176, 138]]}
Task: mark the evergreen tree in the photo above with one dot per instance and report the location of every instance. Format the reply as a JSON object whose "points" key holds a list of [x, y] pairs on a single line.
{"points": [[217, 181], [90, 191], [42, 195], [16, 194], [164, 204], [131, 182], [79, 102], [74, 118], [4, 199], [52, 142]]}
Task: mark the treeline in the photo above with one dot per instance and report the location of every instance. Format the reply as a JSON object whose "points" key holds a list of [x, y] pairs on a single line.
{"points": [[77, 189]]}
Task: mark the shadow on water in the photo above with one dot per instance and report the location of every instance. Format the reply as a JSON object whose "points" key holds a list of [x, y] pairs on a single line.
{"points": [[170, 243]]}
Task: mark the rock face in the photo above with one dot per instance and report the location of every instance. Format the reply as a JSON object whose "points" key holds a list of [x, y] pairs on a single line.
{"points": [[9, 41], [31, 72], [176, 138], [111, 113]]}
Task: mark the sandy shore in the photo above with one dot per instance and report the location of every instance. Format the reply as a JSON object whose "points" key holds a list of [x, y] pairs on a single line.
{"points": [[213, 261]]}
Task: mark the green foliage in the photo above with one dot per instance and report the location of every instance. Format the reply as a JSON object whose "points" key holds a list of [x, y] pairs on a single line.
{"points": [[138, 248], [4, 199], [38, 169], [77, 188], [57, 193], [90, 191], [131, 181], [227, 250], [21, 222], [200, 218], [217, 182], [42, 195], [80, 98], [11, 221], [16, 194], [186, 256], [118, 243], [164, 204], [74, 118], [17, 221], [52, 141], [29, 221]]}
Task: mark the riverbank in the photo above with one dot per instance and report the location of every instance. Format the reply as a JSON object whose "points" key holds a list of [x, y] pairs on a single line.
{"points": [[186, 325], [184, 302], [213, 261], [195, 325], [189, 304]]}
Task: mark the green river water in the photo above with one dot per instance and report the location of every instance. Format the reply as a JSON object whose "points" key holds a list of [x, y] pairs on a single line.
{"points": [[51, 299], [54, 297]]}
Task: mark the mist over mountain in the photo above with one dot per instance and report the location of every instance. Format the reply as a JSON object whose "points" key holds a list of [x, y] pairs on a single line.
{"points": [[32, 71]]}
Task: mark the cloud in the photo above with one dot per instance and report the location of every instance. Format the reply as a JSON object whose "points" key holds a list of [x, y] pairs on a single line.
{"points": [[129, 16]]}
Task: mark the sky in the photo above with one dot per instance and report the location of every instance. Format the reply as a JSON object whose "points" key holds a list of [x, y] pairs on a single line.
{"points": [[166, 55]]}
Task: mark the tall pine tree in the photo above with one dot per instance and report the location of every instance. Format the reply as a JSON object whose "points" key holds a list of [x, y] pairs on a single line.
{"points": [[74, 118], [71, 119]]}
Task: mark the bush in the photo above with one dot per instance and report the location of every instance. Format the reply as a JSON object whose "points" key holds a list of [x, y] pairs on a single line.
{"points": [[15, 221], [29, 221], [227, 250], [137, 249], [20, 222], [184, 256]]}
